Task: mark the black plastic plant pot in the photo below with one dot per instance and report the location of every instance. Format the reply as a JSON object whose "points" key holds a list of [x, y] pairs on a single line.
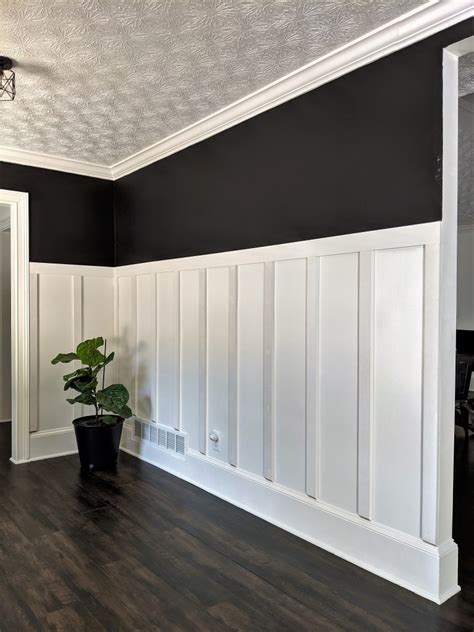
{"points": [[98, 443]]}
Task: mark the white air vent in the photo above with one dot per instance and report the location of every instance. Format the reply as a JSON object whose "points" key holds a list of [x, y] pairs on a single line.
{"points": [[161, 436]]}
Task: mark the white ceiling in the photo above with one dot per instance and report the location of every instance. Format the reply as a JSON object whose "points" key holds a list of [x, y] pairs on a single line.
{"points": [[98, 80]]}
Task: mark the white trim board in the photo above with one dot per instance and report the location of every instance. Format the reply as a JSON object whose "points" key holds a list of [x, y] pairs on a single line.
{"points": [[430, 18], [397, 557], [47, 444], [56, 163], [20, 320]]}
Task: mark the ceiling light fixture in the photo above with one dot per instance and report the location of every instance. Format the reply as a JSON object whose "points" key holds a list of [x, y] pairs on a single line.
{"points": [[7, 80]]}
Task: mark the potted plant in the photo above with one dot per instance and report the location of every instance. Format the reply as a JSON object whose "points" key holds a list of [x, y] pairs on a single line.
{"points": [[98, 436]]}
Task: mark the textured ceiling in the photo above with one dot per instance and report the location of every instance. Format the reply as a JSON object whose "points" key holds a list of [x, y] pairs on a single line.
{"points": [[98, 80]]}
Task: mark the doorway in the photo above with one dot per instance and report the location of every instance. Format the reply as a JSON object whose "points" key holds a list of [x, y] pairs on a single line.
{"points": [[15, 205], [456, 298]]}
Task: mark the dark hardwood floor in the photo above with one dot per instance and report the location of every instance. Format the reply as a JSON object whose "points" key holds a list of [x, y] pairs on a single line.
{"points": [[142, 550]]}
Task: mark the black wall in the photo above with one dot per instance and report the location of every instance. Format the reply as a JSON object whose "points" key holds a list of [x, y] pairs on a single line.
{"points": [[360, 153], [71, 217]]}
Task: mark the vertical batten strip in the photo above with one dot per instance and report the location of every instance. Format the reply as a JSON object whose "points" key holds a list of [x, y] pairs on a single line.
{"points": [[232, 401], [157, 347], [153, 345], [430, 411], [312, 376], [34, 356], [268, 371], [176, 347], [134, 344], [202, 360], [78, 322], [115, 365], [365, 412]]}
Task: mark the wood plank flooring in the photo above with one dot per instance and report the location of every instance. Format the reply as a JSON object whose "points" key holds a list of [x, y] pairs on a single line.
{"points": [[142, 550]]}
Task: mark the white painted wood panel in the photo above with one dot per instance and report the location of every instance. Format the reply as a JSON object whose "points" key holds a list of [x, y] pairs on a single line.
{"points": [[168, 348], [398, 355], [338, 365], [56, 335], [250, 367], [218, 358], [301, 356], [98, 308], [189, 364], [146, 347], [65, 308], [312, 376], [127, 335], [290, 373]]}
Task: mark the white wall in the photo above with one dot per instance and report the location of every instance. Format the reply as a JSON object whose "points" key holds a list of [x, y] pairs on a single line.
{"points": [[317, 364], [5, 327], [465, 285], [67, 305]]}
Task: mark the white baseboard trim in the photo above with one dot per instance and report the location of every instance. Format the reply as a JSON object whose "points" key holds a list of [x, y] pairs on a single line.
{"points": [[47, 444], [5, 421], [390, 554]]}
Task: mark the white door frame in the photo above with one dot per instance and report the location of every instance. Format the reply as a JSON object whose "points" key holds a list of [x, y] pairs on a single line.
{"points": [[448, 284], [20, 310]]}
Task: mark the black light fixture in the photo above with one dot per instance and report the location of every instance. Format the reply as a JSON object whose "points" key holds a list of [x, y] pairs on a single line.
{"points": [[7, 80]]}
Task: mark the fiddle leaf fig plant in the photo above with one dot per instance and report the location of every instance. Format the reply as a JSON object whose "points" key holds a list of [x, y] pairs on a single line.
{"points": [[85, 381]]}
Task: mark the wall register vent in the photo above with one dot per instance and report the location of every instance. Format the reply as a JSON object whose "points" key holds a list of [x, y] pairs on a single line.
{"points": [[160, 436]]}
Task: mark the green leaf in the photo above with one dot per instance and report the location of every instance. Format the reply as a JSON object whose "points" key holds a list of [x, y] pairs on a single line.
{"points": [[64, 357], [88, 353], [83, 398], [81, 384], [78, 373], [113, 398], [109, 358], [125, 412]]}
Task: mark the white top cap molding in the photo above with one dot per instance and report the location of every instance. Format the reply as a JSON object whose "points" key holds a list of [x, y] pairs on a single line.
{"points": [[431, 18]]}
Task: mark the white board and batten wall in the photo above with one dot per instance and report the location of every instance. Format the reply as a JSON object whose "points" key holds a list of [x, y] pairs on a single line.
{"points": [[67, 304], [315, 363]]}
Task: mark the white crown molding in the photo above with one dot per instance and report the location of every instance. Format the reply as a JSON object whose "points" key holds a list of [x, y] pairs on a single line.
{"points": [[57, 163], [410, 28]]}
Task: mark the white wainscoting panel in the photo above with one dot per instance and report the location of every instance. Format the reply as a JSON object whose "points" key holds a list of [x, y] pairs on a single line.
{"points": [[338, 375], [309, 360], [67, 304], [189, 360], [168, 348], [398, 373], [218, 358], [290, 373], [250, 318], [146, 358]]}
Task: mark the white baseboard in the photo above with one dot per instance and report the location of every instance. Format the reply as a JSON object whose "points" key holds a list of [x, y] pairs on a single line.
{"points": [[422, 568], [47, 444], [5, 421]]}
